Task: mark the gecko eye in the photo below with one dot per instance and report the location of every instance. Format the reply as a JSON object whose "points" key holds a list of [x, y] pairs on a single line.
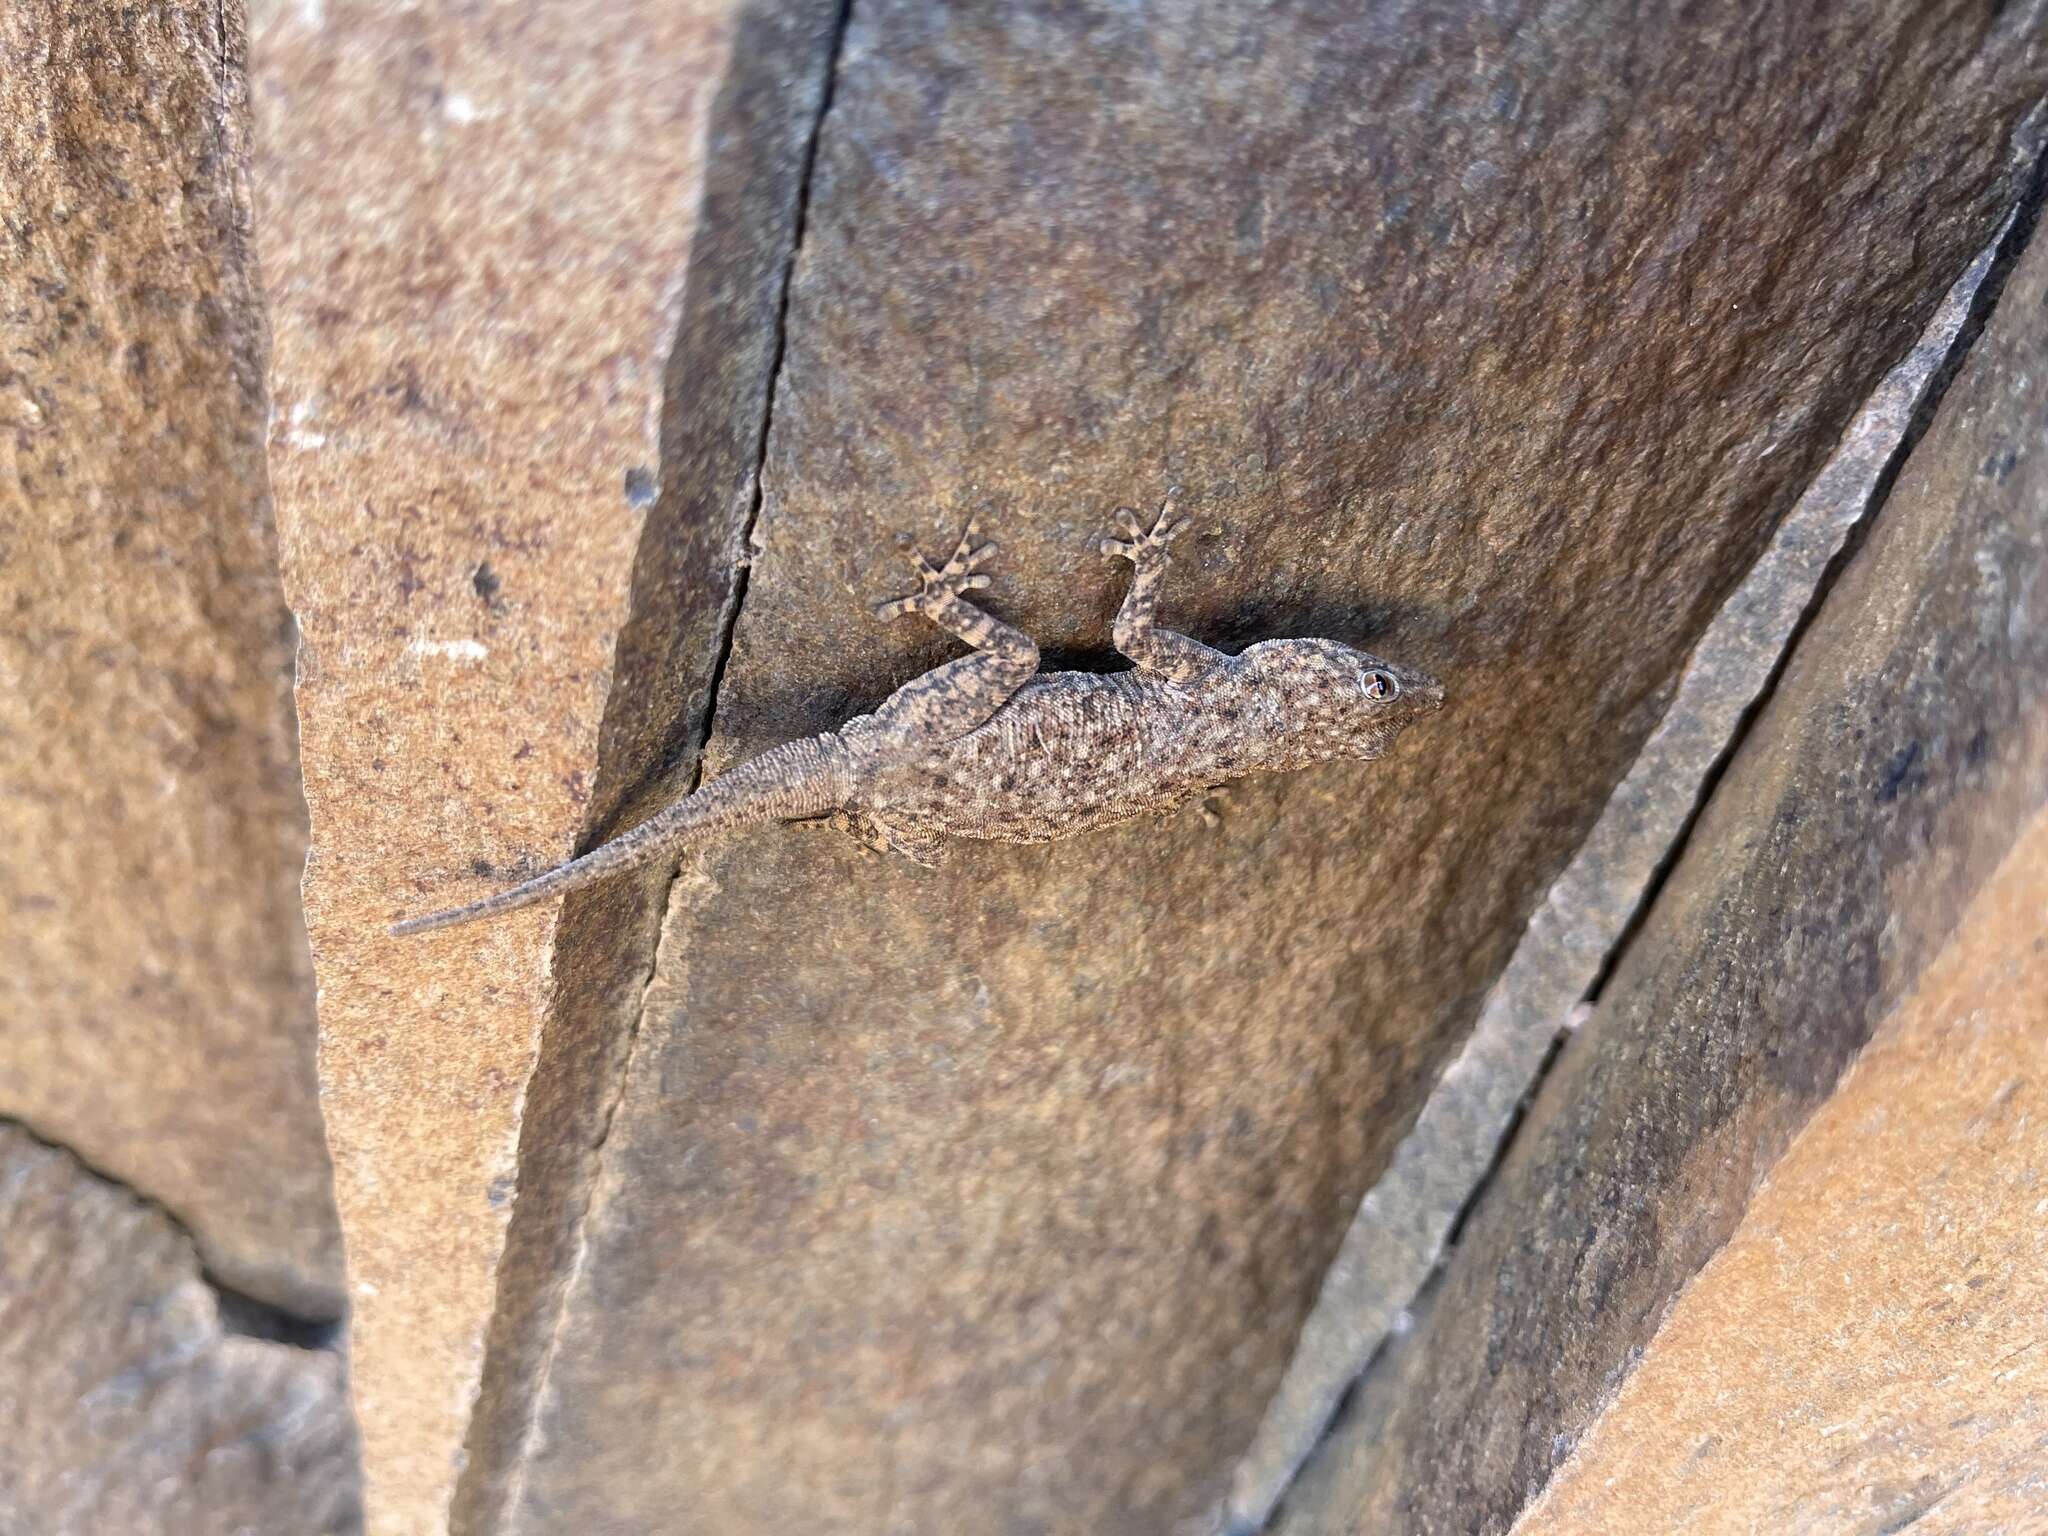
{"points": [[1379, 686]]}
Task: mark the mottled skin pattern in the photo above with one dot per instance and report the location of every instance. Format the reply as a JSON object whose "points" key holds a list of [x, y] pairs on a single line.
{"points": [[986, 747]]}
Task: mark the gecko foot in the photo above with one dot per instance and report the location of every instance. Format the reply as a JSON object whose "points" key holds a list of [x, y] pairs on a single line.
{"points": [[1137, 543], [936, 584]]}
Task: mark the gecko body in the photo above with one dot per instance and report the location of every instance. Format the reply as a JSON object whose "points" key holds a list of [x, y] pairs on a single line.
{"points": [[987, 747]]}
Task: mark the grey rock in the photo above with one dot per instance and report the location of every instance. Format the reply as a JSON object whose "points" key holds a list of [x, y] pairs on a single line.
{"points": [[1876, 792], [125, 1409], [686, 574], [1406, 1218], [1496, 339]]}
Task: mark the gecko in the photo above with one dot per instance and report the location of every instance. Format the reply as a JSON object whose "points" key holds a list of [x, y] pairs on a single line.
{"points": [[988, 747]]}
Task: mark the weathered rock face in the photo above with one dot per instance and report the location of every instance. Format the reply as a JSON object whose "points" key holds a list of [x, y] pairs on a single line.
{"points": [[1406, 1220], [156, 1007], [691, 549], [1865, 1353], [993, 1198], [127, 1411], [522, 335], [1879, 789]]}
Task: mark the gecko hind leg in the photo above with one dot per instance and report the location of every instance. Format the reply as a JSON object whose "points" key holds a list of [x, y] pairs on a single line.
{"points": [[887, 834], [949, 701], [920, 845], [1176, 657]]}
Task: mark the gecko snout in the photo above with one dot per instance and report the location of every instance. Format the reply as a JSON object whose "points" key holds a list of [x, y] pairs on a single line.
{"points": [[1418, 691]]}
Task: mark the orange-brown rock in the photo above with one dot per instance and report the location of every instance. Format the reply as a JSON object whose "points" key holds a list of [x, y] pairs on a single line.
{"points": [[156, 1005], [522, 327], [1866, 1352]]}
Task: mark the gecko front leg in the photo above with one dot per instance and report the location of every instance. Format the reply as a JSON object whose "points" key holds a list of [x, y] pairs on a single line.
{"points": [[1173, 656], [949, 701]]}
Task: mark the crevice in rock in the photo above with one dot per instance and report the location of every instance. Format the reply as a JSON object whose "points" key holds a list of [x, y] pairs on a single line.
{"points": [[2012, 240], [229, 66], [717, 410], [234, 136], [741, 563], [240, 1313], [1397, 1216], [252, 1318], [729, 626]]}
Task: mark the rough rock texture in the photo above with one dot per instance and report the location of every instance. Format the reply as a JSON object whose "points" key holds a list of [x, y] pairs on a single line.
{"points": [[1406, 1218], [684, 587], [497, 262], [125, 1410], [1906, 741], [156, 1006], [1499, 339], [1866, 1352]]}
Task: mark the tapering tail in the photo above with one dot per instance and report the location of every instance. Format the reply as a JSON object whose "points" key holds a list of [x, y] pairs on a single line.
{"points": [[785, 784]]}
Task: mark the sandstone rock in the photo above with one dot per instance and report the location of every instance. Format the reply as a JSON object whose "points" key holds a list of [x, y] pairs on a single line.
{"points": [[127, 1411], [993, 1198], [156, 1006], [1865, 1353], [1880, 787], [523, 317]]}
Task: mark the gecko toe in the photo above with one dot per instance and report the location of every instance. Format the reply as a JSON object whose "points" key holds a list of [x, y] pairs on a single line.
{"points": [[937, 583], [1141, 542], [961, 556]]}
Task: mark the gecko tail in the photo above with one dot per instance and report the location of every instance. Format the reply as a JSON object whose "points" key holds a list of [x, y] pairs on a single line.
{"points": [[785, 784], [560, 880]]}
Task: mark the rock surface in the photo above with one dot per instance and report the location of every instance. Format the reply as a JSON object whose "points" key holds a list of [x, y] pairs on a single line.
{"points": [[993, 1198], [127, 1411], [1877, 792], [1866, 1352], [483, 238], [1407, 1217], [691, 549], [156, 1004]]}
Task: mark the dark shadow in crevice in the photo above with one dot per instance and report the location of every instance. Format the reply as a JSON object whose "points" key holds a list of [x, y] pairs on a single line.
{"points": [[688, 582], [249, 1318]]}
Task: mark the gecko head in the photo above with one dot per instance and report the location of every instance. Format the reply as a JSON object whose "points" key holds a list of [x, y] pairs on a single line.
{"points": [[1345, 702]]}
